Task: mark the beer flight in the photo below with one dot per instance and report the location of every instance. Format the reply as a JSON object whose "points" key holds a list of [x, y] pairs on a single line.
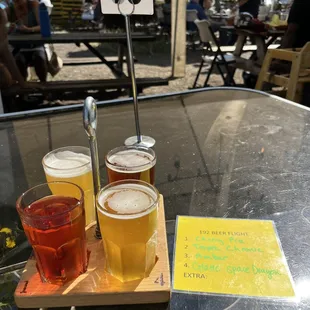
{"points": [[54, 215]]}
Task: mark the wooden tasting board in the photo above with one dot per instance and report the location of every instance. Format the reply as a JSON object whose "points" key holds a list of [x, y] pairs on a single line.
{"points": [[97, 287]]}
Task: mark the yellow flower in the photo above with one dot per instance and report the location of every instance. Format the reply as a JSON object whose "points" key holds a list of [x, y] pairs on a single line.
{"points": [[6, 230], [10, 242]]}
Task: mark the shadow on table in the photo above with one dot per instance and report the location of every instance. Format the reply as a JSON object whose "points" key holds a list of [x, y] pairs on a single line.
{"points": [[38, 101]]}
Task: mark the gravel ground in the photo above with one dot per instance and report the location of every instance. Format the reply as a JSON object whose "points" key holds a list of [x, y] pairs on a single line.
{"points": [[153, 60]]}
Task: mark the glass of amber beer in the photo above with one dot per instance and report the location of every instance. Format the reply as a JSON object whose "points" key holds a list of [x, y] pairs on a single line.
{"points": [[73, 164], [131, 162], [127, 212], [55, 227]]}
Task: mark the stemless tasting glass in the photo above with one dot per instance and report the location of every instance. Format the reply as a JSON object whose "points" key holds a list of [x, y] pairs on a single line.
{"points": [[131, 162], [127, 212], [73, 164], [55, 227]]}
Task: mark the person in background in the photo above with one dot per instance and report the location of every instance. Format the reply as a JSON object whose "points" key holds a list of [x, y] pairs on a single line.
{"points": [[201, 14], [9, 72], [206, 4], [167, 6], [194, 5], [297, 34], [215, 25], [25, 15], [249, 6]]}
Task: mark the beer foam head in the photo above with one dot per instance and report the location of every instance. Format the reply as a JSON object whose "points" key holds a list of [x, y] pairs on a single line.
{"points": [[130, 161], [127, 201], [67, 164]]}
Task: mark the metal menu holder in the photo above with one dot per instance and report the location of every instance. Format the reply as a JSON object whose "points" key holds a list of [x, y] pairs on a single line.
{"points": [[128, 8]]}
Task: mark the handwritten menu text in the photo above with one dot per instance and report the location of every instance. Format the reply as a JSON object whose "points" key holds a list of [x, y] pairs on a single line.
{"points": [[230, 256]]}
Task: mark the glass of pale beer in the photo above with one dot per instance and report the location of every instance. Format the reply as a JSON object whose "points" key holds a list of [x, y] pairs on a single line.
{"points": [[131, 162], [73, 164], [127, 212]]}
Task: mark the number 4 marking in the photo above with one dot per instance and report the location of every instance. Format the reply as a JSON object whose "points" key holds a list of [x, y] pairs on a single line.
{"points": [[160, 280]]}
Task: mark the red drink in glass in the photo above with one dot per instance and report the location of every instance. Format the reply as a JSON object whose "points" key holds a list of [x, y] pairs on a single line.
{"points": [[55, 227]]}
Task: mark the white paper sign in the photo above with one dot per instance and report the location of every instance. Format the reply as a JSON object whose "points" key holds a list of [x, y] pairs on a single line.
{"points": [[142, 7]]}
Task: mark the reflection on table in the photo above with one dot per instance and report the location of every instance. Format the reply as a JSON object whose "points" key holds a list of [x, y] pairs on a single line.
{"points": [[221, 153]]}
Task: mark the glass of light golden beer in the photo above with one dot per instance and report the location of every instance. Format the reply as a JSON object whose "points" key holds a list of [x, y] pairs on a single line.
{"points": [[72, 164], [131, 162], [127, 212]]}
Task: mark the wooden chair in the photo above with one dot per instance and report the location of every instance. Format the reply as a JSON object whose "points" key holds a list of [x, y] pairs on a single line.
{"points": [[217, 58], [299, 75]]}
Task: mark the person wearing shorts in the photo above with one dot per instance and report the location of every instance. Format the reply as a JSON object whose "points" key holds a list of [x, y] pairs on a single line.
{"points": [[26, 15], [9, 73]]}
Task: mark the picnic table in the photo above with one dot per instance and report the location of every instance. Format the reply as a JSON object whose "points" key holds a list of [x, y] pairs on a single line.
{"points": [[262, 40], [121, 81], [86, 38]]}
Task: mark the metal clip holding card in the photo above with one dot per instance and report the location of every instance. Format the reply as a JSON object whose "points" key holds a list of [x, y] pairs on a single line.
{"points": [[124, 7], [122, 13]]}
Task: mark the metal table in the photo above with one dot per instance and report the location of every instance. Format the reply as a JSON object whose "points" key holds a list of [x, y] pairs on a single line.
{"points": [[222, 152]]}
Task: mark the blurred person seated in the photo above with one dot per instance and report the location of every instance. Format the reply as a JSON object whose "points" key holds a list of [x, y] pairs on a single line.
{"points": [[24, 16], [194, 5], [9, 72], [201, 14], [215, 25]]}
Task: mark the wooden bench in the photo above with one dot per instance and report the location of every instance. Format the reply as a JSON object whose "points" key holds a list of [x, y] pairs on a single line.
{"points": [[250, 65], [247, 65], [91, 61], [232, 48], [62, 89]]}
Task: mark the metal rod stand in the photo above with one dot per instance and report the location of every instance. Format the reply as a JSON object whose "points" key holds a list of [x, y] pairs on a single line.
{"points": [[139, 139], [133, 77]]}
